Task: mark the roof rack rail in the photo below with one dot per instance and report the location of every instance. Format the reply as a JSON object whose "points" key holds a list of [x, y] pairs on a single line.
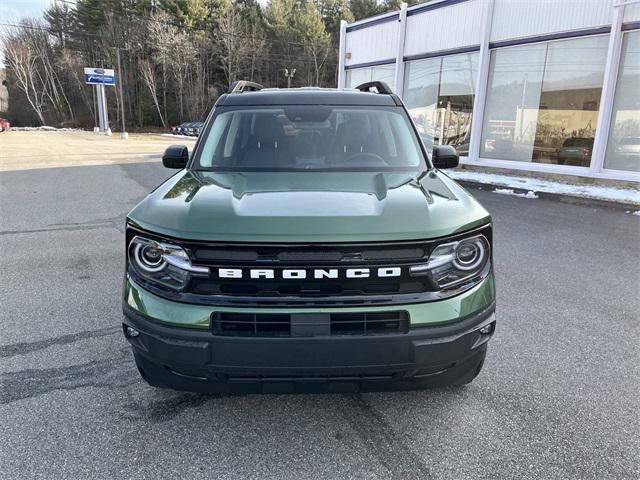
{"points": [[380, 87], [240, 86]]}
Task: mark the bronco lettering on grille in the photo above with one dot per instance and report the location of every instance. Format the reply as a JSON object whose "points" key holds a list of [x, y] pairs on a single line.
{"points": [[303, 273]]}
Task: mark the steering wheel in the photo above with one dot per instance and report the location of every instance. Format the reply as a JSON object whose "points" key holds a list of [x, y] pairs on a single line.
{"points": [[367, 159]]}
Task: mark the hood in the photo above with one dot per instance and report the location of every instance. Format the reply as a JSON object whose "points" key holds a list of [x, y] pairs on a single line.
{"points": [[308, 207]]}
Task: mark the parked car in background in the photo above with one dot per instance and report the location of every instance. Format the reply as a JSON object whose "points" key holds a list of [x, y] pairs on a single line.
{"points": [[186, 130], [628, 148], [576, 151], [179, 129], [195, 129], [500, 144], [191, 129], [4, 124]]}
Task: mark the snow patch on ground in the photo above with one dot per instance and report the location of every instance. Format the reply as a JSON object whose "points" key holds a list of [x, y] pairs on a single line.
{"points": [[177, 136], [509, 191], [637, 212], [537, 185], [45, 128]]}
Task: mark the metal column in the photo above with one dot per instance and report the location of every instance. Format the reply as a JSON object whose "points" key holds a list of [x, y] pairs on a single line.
{"points": [[402, 31], [341, 54], [103, 115], [608, 91], [481, 83]]}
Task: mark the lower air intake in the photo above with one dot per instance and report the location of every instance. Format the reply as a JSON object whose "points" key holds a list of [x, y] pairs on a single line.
{"points": [[309, 325]]}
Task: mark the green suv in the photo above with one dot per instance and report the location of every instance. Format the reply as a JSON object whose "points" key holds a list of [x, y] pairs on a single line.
{"points": [[308, 243]]}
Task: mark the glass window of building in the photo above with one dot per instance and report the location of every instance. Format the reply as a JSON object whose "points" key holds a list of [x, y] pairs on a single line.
{"points": [[623, 147], [438, 93], [543, 100], [381, 73]]}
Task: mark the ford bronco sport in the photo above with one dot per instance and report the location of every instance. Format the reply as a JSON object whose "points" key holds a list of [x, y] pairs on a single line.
{"points": [[308, 243]]}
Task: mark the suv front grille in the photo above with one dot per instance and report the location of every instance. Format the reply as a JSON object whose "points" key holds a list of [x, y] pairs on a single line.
{"points": [[309, 290], [308, 325], [202, 286], [309, 253], [317, 287]]}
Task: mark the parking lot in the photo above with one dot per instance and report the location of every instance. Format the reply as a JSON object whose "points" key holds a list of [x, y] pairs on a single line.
{"points": [[21, 150], [558, 397]]}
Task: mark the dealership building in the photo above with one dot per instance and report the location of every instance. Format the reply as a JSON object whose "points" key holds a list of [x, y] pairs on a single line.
{"points": [[540, 85]]}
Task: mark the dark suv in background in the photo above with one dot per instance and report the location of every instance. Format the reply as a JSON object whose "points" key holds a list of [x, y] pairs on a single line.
{"points": [[576, 151]]}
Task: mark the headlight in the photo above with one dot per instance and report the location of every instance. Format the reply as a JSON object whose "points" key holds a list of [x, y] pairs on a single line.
{"points": [[452, 264], [471, 254], [162, 262], [148, 255]]}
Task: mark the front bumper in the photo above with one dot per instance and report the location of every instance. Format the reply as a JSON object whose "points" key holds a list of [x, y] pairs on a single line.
{"points": [[197, 359]]}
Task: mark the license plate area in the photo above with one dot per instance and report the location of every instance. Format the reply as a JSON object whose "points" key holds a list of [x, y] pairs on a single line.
{"points": [[310, 324]]}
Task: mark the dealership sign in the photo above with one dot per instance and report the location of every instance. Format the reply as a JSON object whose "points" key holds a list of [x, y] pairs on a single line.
{"points": [[98, 76]]}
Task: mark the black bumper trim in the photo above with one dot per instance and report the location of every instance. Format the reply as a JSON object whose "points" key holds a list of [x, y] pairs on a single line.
{"points": [[198, 354]]}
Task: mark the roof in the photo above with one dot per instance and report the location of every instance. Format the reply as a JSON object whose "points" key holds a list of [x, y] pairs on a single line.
{"points": [[307, 96]]}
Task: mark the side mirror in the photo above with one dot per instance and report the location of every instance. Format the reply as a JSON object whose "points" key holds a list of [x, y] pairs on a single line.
{"points": [[445, 156], [175, 156]]}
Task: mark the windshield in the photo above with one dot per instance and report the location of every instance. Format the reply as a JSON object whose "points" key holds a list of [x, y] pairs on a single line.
{"points": [[310, 137]]}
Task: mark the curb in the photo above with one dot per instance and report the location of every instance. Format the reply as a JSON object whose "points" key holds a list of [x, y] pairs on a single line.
{"points": [[560, 197]]}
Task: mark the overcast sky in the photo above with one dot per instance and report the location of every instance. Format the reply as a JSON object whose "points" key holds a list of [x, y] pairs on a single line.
{"points": [[12, 10]]}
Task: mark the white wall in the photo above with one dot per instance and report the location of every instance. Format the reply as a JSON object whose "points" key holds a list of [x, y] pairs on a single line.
{"points": [[445, 28], [371, 44], [459, 25], [632, 13], [525, 18]]}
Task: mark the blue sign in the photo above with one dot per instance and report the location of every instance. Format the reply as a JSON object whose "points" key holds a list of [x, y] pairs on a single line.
{"points": [[99, 76]]}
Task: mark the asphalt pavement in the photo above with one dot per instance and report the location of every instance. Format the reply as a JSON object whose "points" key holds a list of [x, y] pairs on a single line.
{"points": [[557, 399]]}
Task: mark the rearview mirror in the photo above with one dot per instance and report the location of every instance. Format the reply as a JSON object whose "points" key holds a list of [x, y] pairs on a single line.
{"points": [[445, 156], [175, 156]]}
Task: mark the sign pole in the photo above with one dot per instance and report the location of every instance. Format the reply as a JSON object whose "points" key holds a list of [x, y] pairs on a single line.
{"points": [[99, 94], [107, 130], [101, 77], [124, 130], [96, 128]]}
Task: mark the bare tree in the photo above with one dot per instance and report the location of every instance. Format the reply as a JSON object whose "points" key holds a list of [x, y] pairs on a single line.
{"points": [[39, 41], [71, 63], [257, 46], [317, 41], [235, 46], [149, 76], [181, 61], [22, 59], [161, 33]]}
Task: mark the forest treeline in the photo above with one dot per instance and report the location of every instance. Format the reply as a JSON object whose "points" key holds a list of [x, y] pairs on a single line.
{"points": [[176, 56]]}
